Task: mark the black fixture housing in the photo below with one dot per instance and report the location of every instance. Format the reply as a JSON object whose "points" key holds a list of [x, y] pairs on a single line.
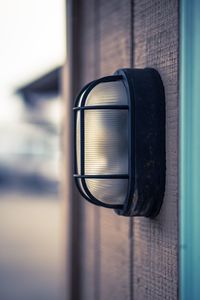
{"points": [[119, 142]]}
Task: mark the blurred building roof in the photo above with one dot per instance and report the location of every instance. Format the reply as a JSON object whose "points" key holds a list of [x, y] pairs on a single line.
{"points": [[42, 101], [47, 84]]}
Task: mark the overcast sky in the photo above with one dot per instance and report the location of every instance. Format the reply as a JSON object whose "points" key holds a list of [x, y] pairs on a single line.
{"points": [[32, 41]]}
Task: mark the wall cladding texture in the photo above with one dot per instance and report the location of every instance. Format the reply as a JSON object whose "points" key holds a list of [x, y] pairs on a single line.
{"points": [[155, 241], [124, 258]]}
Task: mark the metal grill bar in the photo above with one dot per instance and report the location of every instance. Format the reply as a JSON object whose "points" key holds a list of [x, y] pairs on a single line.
{"points": [[82, 142], [110, 176], [90, 107]]}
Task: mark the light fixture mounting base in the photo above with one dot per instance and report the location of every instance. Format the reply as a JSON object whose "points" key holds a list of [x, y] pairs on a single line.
{"points": [[147, 162]]}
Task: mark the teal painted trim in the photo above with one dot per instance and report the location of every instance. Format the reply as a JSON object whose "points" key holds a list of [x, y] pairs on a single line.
{"points": [[190, 150]]}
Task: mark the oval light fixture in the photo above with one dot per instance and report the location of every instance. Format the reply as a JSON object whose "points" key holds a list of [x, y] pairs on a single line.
{"points": [[119, 125]]}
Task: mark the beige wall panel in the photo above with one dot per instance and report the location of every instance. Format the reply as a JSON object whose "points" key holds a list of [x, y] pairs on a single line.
{"points": [[129, 258], [156, 241], [114, 35], [89, 232]]}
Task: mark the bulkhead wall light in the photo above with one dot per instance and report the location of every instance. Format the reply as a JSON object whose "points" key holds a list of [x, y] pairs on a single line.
{"points": [[119, 125]]}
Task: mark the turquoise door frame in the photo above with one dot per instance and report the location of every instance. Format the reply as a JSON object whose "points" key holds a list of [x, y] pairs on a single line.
{"points": [[190, 150]]}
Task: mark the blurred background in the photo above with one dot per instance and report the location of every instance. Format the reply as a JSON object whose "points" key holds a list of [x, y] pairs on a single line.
{"points": [[32, 52]]}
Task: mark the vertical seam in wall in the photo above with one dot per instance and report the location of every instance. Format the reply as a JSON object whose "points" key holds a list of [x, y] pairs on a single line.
{"points": [[131, 222], [131, 256], [97, 229], [74, 206], [132, 34]]}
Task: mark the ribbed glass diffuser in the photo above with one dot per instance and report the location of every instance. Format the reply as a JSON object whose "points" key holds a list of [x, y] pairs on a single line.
{"points": [[105, 142]]}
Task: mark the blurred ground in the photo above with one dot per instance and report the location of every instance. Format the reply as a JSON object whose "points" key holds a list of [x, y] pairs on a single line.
{"points": [[30, 246]]}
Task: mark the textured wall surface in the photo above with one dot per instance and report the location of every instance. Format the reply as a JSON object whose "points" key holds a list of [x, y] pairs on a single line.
{"points": [[155, 241], [130, 258]]}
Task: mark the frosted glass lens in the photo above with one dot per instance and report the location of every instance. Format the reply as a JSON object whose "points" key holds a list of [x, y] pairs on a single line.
{"points": [[108, 93], [78, 142], [106, 142], [109, 191]]}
